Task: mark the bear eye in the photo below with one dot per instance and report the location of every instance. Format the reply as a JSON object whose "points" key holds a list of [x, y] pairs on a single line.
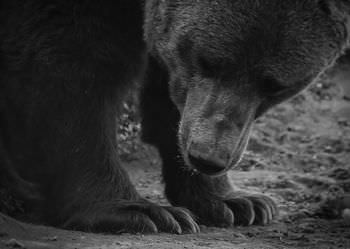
{"points": [[210, 67], [270, 86], [324, 6], [184, 49]]}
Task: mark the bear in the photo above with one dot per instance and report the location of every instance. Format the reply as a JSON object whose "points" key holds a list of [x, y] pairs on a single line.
{"points": [[213, 68], [65, 69], [208, 70]]}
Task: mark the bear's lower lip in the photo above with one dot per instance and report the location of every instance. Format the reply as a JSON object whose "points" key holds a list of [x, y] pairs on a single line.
{"points": [[207, 167]]}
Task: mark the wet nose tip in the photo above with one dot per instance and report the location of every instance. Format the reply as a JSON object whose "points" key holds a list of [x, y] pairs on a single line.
{"points": [[206, 164]]}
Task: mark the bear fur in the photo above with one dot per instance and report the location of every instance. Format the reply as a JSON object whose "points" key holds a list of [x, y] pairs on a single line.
{"points": [[212, 68]]}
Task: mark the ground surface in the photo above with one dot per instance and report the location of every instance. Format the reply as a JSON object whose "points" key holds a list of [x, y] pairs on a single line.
{"points": [[299, 154]]}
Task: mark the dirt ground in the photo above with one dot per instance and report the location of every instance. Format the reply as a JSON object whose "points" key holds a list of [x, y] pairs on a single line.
{"points": [[299, 155]]}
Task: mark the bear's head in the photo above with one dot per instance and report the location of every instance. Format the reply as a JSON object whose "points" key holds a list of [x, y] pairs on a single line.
{"points": [[231, 60]]}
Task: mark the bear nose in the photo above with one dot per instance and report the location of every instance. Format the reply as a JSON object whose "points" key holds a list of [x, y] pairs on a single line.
{"points": [[206, 163]]}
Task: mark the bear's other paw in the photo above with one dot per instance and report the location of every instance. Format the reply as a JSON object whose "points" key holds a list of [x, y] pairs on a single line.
{"points": [[234, 210]]}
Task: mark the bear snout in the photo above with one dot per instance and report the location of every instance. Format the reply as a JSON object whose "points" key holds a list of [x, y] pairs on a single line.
{"points": [[210, 150]]}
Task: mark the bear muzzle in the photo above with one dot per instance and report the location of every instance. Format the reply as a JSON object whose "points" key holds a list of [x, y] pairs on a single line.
{"points": [[215, 159]]}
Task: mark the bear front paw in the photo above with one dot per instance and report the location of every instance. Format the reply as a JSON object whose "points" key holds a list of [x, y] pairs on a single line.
{"points": [[134, 217], [251, 209], [238, 210]]}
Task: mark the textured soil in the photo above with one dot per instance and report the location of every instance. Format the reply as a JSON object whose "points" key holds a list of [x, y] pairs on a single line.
{"points": [[299, 155]]}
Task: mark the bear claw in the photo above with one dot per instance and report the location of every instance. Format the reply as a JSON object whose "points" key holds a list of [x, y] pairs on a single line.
{"points": [[240, 210]]}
